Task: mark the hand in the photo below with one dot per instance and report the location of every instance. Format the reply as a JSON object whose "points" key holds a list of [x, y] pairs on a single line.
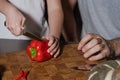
{"points": [[15, 21], [54, 45], [94, 47]]}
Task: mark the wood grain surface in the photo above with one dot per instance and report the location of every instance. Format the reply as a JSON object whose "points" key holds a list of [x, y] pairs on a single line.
{"points": [[53, 69]]}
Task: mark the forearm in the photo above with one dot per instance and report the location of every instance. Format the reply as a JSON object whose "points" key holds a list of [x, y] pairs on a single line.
{"points": [[55, 22], [55, 17], [4, 6], [72, 3], [69, 30], [115, 45]]}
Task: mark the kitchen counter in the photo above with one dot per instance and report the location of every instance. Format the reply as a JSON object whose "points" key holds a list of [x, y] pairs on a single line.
{"points": [[53, 69]]}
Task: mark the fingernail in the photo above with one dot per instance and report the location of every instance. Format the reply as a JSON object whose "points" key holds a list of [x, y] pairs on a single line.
{"points": [[90, 59], [85, 55], [79, 48], [51, 53], [55, 56], [48, 44], [48, 50]]}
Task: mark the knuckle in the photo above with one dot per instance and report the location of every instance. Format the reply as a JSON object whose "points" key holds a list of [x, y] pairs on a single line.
{"points": [[103, 55], [24, 19], [89, 35], [54, 51], [90, 52], [85, 47], [107, 50], [17, 34], [81, 42], [54, 45], [11, 26], [95, 41], [99, 47], [103, 46]]}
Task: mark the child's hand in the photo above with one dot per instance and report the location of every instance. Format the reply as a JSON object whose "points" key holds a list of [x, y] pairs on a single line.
{"points": [[54, 45], [15, 21]]}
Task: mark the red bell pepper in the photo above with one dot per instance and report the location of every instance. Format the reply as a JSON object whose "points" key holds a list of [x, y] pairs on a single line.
{"points": [[37, 50]]}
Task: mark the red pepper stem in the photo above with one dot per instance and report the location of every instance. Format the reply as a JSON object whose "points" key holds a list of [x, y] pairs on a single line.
{"points": [[33, 52]]}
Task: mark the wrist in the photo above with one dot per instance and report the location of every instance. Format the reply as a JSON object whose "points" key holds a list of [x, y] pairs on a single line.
{"points": [[56, 36], [112, 50]]}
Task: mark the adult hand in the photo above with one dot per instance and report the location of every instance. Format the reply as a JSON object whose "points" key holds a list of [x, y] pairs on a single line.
{"points": [[94, 47], [15, 21], [54, 45]]}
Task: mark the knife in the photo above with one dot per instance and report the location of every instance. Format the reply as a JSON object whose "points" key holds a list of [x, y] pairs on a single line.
{"points": [[29, 34]]}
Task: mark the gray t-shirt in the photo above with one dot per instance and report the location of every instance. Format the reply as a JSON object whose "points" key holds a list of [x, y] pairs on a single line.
{"points": [[101, 17]]}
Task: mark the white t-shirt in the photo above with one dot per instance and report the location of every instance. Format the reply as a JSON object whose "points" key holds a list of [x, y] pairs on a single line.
{"points": [[34, 9], [101, 17]]}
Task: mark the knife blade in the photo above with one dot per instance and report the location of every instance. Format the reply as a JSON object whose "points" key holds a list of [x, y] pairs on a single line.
{"points": [[86, 67], [32, 35]]}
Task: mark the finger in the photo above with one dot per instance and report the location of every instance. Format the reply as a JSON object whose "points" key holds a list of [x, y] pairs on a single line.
{"points": [[23, 23], [54, 51], [13, 28], [44, 38], [97, 57], [91, 44], [86, 39], [22, 30], [94, 50], [53, 47], [22, 26], [10, 29], [57, 53], [17, 31], [51, 41]]}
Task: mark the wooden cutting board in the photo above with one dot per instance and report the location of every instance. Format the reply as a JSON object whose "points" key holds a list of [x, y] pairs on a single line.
{"points": [[54, 69]]}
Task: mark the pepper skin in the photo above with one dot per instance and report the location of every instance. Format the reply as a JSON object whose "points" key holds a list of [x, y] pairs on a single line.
{"points": [[37, 50], [19, 76]]}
